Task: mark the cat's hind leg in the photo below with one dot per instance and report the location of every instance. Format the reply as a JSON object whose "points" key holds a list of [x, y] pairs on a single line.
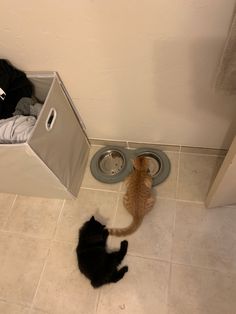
{"points": [[123, 249], [150, 202], [148, 183], [118, 256], [118, 274], [126, 201]]}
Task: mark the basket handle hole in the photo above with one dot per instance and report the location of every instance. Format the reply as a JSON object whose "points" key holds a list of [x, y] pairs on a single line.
{"points": [[51, 119]]}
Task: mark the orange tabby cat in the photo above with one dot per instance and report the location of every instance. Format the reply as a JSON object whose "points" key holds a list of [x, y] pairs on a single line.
{"points": [[138, 199]]}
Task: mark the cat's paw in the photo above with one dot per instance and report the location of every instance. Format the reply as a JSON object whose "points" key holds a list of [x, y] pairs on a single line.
{"points": [[124, 244], [125, 269]]}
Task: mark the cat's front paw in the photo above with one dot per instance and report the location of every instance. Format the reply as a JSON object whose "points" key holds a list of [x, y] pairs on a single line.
{"points": [[124, 245], [125, 269]]}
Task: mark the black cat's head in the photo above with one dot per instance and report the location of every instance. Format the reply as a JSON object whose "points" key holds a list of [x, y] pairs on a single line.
{"points": [[93, 227]]}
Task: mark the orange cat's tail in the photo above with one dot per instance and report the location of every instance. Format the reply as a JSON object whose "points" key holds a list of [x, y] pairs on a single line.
{"points": [[119, 232]]}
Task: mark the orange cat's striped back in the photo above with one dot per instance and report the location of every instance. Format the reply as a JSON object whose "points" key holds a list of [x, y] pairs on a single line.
{"points": [[138, 199]]}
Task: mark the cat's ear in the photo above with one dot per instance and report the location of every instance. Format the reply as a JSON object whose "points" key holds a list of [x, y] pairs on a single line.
{"points": [[92, 218]]}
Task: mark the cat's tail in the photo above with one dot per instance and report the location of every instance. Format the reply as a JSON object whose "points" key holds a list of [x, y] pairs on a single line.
{"points": [[119, 232]]}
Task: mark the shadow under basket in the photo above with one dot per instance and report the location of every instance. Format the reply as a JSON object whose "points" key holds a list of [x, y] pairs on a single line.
{"points": [[113, 164], [53, 160]]}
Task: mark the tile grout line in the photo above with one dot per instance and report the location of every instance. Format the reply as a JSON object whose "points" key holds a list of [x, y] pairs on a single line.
{"points": [[171, 258], [172, 239], [35, 237], [177, 178], [99, 190], [205, 268], [202, 154], [10, 212], [118, 200], [58, 220], [112, 225], [189, 201], [13, 302], [164, 147], [40, 278], [148, 258], [168, 290], [181, 200], [98, 301], [28, 235], [117, 204], [46, 260], [116, 210], [159, 197]]}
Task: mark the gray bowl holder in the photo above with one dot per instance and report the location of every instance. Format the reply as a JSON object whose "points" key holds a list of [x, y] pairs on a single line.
{"points": [[128, 155]]}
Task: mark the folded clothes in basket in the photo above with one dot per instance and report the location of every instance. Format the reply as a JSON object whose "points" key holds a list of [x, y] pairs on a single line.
{"points": [[28, 107], [16, 129]]}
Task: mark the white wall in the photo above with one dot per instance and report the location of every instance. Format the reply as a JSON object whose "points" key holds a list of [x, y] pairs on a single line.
{"points": [[139, 70]]}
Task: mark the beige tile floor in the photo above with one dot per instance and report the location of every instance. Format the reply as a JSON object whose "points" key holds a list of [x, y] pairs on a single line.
{"points": [[182, 260]]}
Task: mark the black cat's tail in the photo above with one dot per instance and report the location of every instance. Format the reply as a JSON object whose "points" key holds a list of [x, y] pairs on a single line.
{"points": [[120, 232]]}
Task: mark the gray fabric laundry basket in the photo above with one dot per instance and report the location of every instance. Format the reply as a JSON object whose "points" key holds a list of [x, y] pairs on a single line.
{"points": [[53, 160]]}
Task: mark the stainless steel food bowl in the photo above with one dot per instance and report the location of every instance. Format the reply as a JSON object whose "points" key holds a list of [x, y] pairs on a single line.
{"points": [[159, 163], [110, 164], [154, 164]]}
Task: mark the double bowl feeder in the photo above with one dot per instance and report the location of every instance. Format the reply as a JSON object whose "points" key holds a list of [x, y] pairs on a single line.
{"points": [[113, 164]]}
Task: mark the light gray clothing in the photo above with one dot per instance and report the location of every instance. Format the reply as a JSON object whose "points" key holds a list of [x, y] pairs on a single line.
{"points": [[16, 129], [28, 107]]}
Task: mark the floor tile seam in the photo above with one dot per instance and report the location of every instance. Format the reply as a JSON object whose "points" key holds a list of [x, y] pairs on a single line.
{"points": [[157, 197], [115, 215], [57, 241], [98, 301], [58, 220], [177, 177], [202, 154], [173, 232], [202, 203], [179, 148], [165, 198], [10, 212], [99, 145], [23, 304], [189, 201], [171, 151], [41, 276], [116, 209], [182, 200], [99, 190], [175, 147], [227, 273], [146, 257], [171, 257], [46, 260], [226, 206], [169, 290], [26, 235]]}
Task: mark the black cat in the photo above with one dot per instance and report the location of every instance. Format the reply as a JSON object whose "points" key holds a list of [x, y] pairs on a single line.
{"points": [[94, 261]]}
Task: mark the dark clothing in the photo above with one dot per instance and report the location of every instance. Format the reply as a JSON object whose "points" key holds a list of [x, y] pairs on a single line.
{"points": [[15, 85]]}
